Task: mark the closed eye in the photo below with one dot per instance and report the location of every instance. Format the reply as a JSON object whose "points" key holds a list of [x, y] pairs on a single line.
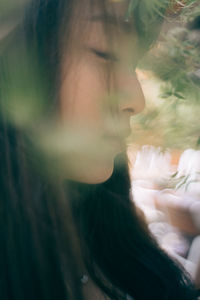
{"points": [[107, 56]]}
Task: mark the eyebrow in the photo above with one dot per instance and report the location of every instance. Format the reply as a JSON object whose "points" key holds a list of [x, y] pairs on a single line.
{"points": [[117, 21]]}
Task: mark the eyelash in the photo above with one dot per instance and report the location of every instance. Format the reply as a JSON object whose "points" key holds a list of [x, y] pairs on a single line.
{"points": [[107, 56]]}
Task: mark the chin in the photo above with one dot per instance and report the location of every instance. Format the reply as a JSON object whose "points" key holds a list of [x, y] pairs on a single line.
{"points": [[94, 174], [99, 174]]}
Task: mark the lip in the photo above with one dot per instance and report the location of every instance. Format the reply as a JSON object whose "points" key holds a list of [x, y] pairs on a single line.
{"points": [[111, 137], [115, 137], [114, 141]]}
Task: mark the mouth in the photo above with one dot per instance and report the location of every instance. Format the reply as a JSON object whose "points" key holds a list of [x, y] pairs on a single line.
{"points": [[114, 142], [121, 137], [113, 137]]}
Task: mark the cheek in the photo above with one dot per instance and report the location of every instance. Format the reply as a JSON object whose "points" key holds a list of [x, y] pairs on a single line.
{"points": [[81, 102], [81, 92]]}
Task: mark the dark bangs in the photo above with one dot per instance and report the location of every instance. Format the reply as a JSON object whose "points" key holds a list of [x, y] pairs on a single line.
{"points": [[49, 26]]}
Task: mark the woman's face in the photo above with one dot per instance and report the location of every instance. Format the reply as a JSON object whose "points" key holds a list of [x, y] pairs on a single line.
{"points": [[99, 89]]}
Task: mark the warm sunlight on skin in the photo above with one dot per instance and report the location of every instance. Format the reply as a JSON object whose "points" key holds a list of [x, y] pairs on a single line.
{"points": [[100, 91]]}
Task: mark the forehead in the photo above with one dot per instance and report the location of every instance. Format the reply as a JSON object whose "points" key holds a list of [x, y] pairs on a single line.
{"points": [[117, 7], [99, 21], [108, 12]]}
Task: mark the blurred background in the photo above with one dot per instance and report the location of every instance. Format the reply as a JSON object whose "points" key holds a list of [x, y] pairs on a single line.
{"points": [[164, 148]]}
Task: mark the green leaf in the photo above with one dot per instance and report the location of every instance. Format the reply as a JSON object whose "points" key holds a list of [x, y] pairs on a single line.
{"points": [[166, 95], [179, 96]]}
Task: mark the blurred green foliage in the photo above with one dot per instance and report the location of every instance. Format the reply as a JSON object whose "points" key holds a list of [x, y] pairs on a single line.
{"points": [[174, 121], [176, 61], [169, 123]]}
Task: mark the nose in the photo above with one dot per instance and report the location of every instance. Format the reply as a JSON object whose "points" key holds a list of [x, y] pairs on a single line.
{"points": [[131, 99]]}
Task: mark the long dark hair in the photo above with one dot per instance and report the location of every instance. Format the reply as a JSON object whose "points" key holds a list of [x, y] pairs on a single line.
{"points": [[48, 229]]}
